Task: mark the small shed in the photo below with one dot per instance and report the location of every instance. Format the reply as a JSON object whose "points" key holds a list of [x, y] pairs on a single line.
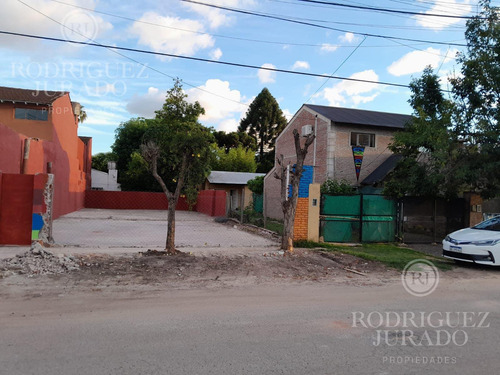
{"points": [[235, 185]]}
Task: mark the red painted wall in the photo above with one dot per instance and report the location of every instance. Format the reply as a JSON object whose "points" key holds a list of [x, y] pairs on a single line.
{"points": [[130, 200], [210, 202], [69, 155], [16, 205]]}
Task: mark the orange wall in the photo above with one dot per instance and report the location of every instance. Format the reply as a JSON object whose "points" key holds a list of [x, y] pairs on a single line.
{"points": [[30, 128], [70, 167]]}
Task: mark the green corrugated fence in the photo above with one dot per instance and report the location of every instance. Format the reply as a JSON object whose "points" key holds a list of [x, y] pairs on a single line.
{"points": [[357, 218]]}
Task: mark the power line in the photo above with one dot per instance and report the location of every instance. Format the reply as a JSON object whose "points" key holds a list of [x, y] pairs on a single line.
{"points": [[386, 10], [116, 52], [199, 59], [245, 39], [439, 22], [336, 70], [270, 16]]}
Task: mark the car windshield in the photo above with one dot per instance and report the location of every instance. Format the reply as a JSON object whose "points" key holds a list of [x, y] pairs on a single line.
{"points": [[491, 224]]}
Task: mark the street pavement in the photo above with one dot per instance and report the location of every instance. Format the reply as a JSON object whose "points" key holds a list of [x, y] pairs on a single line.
{"points": [[279, 329]]}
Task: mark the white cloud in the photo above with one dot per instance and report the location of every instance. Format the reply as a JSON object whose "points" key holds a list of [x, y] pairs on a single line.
{"points": [[222, 104], [98, 117], [229, 125], [346, 92], [347, 38], [72, 23], [217, 17], [216, 54], [326, 47], [267, 76], [301, 65], [287, 114], [87, 130], [219, 107], [451, 7], [146, 105], [173, 39], [416, 61]]}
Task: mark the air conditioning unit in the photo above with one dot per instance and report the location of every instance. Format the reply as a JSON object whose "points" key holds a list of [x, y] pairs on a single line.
{"points": [[307, 130]]}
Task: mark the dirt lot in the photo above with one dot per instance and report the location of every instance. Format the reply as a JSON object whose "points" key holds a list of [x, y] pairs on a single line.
{"points": [[149, 271], [210, 258]]}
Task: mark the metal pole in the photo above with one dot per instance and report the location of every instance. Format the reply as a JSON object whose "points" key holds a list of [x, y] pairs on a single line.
{"points": [[434, 220], [361, 218], [314, 151], [264, 206]]}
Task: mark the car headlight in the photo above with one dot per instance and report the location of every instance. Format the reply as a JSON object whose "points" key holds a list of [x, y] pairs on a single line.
{"points": [[485, 242], [447, 238]]}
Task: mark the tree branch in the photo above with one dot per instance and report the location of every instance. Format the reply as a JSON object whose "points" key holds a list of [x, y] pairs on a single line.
{"points": [[151, 152]]}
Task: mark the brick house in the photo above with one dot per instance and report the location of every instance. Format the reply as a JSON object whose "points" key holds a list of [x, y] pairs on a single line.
{"points": [[38, 134], [331, 156]]}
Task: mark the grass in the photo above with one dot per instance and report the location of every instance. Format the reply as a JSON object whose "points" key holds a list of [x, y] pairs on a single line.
{"points": [[275, 226], [389, 254], [255, 218]]}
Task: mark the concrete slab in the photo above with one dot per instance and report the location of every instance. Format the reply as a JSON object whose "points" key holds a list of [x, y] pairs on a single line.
{"points": [[130, 231]]}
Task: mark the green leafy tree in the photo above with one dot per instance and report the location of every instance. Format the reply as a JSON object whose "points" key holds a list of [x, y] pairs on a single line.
{"points": [[236, 159], [100, 160], [82, 116], [137, 175], [128, 139], [256, 185], [234, 139], [428, 144], [337, 187], [477, 94], [452, 146], [263, 121], [178, 151]]}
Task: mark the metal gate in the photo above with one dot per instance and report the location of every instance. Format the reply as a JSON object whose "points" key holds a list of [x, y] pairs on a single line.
{"points": [[357, 218], [428, 220]]}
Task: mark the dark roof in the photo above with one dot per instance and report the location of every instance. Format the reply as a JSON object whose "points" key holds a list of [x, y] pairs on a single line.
{"points": [[232, 178], [361, 117], [382, 171], [42, 97]]}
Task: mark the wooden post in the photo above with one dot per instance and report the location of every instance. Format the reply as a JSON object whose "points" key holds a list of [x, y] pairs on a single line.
{"points": [[242, 203], [26, 156]]}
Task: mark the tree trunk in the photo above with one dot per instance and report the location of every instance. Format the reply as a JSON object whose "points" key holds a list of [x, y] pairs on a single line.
{"points": [[170, 243], [151, 151], [287, 236], [289, 204]]}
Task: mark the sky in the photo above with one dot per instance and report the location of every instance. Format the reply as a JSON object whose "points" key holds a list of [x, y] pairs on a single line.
{"points": [[323, 48]]}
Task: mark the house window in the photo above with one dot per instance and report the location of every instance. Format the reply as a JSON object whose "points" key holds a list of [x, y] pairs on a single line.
{"points": [[363, 139], [32, 114]]}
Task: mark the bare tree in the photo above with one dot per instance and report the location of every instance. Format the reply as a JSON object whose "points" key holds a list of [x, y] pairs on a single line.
{"points": [[289, 204]]}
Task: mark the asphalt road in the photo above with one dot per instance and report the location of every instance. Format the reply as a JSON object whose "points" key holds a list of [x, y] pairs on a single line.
{"points": [[279, 329]]}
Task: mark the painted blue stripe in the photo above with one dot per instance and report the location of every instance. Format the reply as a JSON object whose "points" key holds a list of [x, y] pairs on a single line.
{"points": [[36, 222]]}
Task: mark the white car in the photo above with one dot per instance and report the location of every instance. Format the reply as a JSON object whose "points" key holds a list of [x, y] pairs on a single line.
{"points": [[478, 244]]}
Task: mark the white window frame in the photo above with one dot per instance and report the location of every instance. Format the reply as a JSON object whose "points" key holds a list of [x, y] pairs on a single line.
{"points": [[371, 139]]}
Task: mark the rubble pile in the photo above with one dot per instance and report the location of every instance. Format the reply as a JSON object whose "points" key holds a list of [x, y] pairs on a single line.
{"points": [[39, 261]]}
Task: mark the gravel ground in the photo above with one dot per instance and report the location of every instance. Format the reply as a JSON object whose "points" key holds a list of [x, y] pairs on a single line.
{"points": [[431, 249]]}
